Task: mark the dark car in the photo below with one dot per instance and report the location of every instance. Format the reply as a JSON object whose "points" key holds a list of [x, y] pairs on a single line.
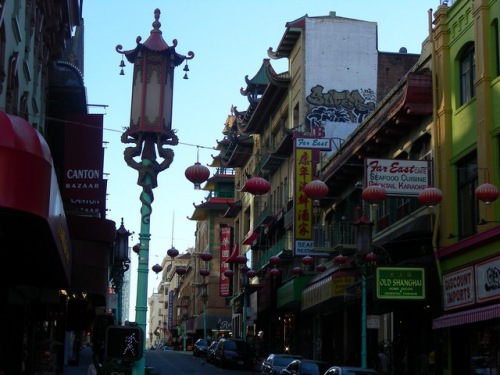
{"points": [[200, 347], [306, 367], [348, 370], [210, 358], [235, 353], [274, 363]]}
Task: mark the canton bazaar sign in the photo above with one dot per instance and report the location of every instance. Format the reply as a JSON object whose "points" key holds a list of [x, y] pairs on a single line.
{"points": [[398, 177]]}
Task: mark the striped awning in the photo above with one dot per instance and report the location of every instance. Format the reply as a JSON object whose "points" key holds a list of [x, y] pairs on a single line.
{"points": [[467, 317]]}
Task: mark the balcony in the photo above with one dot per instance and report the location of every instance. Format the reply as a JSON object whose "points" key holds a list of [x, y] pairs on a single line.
{"points": [[334, 238], [273, 251]]}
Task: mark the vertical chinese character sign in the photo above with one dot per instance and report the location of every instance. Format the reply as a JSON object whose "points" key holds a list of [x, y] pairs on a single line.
{"points": [[303, 205]]}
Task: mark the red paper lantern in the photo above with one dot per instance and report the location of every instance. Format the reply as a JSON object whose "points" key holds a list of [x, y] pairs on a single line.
{"points": [[206, 257], [251, 273], [487, 192], [181, 271], [371, 257], [316, 189], [275, 272], [275, 260], [256, 186], [241, 259], [157, 268], [172, 252], [228, 273], [340, 259], [374, 194], [197, 174], [430, 196], [136, 248], [204, 272], [321, 268], [307, 260], [298, 271]]}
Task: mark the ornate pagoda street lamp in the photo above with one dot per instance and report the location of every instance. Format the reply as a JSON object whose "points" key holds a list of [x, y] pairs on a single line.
{"points": [[363, 247], [121, 264], [150, 128]]}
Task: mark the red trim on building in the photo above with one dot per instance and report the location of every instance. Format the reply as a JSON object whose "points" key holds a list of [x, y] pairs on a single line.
{"points": [[467, 317]]}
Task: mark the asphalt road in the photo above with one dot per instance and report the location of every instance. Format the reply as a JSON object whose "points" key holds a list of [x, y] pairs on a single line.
{"points": [[171, 362]]}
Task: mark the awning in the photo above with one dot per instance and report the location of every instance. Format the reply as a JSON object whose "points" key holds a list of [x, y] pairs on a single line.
{"points": [[91, 239], [251, 238], [32, 215], [234, 254], [467, 317], [215, 322]]}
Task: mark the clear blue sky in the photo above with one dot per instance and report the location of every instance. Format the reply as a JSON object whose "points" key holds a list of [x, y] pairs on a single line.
{"points": [[229, 39]]}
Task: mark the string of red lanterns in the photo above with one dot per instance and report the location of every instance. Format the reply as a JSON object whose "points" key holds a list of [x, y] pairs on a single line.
{"points": [[374, 194], [316, 189], [487, 192], [197, 174], [256, 186], [430, 196]]}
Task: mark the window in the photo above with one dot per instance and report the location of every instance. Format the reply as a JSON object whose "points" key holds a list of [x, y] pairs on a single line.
{"points": [[496, 47], [468, 214], [467, 74]]}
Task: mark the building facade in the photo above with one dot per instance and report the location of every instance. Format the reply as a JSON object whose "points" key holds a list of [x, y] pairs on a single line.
{"points": [[467, 65]]}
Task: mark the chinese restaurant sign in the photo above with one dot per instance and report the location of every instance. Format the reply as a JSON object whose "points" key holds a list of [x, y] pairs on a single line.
{"points": [[305, 149], [398, 177], [225, 247], [400, 283]]}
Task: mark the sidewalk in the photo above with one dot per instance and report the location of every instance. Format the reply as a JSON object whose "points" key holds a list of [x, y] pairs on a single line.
{"points": [[83, 365]]}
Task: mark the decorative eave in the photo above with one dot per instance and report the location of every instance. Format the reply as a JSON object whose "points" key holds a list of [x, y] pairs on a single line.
{"points": [[274, 94], [212, 182], [233, 209], [203, 210], [238, 151], [403, 108], [293, 31], [256, 85]]}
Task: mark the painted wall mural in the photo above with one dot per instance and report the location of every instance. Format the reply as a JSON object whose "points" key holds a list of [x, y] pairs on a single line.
{"points": [[335, 114]]}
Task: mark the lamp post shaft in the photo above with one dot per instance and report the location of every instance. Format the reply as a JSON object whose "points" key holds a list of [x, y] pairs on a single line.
{"points": [[143, 264], [363, 318], [245, 314], [205, 320]]}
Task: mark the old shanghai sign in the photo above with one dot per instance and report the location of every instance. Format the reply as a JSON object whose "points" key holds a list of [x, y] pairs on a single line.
{"points": [[400, 283], [398, 177]]}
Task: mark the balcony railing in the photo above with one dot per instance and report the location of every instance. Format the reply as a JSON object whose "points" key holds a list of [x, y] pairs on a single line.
{"points": [[273, 250], [335, 237]]}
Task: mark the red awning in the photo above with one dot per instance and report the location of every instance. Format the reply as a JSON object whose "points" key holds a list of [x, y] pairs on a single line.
{"points": [[251, 238], [234, 254], [467, 317], [31, 203], [25, 162]]}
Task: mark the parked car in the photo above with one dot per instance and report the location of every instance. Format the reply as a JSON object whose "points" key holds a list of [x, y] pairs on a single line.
{"points": [[200, 347], [306, 367], [348, 370], [236, 353], [210, 357], [274, 363]]}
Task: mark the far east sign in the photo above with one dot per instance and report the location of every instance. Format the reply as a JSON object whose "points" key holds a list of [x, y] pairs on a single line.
{"points": [[398, 177], [400, 283]]}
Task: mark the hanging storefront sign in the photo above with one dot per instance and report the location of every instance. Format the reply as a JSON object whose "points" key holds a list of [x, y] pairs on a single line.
{"points": [[488, 280], [458, 289], [225, 247], [398, 177], [400, 283]]}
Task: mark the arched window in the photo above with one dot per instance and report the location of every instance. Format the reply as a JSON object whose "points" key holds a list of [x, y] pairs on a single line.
{"points": [[467, 73]]}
